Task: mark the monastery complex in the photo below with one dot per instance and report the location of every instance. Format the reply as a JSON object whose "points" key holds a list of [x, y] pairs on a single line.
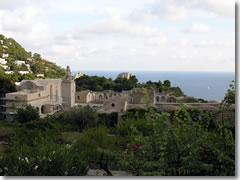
{"points": [[54, 96]]}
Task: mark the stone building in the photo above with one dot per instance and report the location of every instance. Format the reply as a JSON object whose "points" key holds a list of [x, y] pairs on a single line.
{"points": [[48, 95], [136, 96], [125, 75], [78, 75], [171, 99]]}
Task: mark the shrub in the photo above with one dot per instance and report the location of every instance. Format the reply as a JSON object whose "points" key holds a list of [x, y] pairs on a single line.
{"points": [[83, 117], [43, 159], [27, 114], [97, 146]]}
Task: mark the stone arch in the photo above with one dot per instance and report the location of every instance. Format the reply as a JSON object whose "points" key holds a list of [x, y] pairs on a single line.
{"points": [[100, 97], [42, 109], [163, 99], [157, 98]]}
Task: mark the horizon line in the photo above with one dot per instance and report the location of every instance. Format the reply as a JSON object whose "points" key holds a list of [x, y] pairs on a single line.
{"points": [[128, 70]]}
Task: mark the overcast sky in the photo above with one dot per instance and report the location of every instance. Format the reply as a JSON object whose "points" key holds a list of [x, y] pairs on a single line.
{"points": [[165, 35]]}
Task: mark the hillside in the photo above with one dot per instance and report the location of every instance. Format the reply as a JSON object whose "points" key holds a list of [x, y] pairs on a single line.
{"points": [[17, 62]]}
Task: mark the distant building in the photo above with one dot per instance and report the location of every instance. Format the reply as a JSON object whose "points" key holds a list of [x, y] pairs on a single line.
{"points": [[3, 61], [19, 62], [78, 75], [23, 72], [39, 75], [5, 55], [9, 72], [5, 67], [125, 75]]}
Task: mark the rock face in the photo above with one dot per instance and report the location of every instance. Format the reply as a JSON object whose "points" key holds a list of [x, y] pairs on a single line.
{"points": [[78, 75], [125, 75]]}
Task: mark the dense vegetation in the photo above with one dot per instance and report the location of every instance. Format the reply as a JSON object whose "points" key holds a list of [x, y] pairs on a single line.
{"points": [[143, 142], [96, 83], [6, 83], [38, 65]]}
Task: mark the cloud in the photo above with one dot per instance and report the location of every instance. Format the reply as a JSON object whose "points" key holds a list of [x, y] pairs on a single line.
{"points": [[122, 34], [221, 7], [19, 4], [177, 11], [198, 28], [115, 27], [18, 21]]}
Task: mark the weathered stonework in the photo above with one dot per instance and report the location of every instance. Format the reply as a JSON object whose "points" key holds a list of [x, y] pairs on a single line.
{"points": [[48, 95]]}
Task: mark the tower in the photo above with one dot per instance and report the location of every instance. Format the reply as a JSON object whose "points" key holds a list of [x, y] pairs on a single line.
{"points": [[68, 89]]}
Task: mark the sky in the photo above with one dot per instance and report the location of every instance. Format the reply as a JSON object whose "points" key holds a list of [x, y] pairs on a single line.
{"points": [[151, 35]]}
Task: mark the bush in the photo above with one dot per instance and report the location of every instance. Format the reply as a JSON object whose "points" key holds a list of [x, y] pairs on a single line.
{"points": [[97, 146], [27, 114], [125, 127], [43, 159], [109, 120], [83, 117]]}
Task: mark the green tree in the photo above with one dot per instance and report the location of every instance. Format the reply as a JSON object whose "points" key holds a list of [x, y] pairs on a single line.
{"points": [[26, 114], [37, 57], [96, 144], [6, 84], [84, 117]]}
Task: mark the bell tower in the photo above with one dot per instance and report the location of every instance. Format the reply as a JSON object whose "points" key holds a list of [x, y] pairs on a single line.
{"points": [[68, 89]]}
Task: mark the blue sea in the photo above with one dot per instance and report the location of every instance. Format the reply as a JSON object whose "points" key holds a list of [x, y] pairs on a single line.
{"points": [[205, 85]]}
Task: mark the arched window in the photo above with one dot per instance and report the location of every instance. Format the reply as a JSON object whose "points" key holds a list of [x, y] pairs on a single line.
{"points": [[100, 96], [163, 98], [157, 98], [42, 109], [113, 105], [78, 97]]}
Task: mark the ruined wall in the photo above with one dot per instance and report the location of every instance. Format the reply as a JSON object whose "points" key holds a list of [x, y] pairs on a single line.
{"points": [[136, 96]]}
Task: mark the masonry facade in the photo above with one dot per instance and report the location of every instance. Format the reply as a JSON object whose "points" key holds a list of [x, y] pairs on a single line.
{"points": [[49, 96]]}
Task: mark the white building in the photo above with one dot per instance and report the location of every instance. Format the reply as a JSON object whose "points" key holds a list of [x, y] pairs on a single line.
{"points": [[5, 55], [9, 72], [40, 75], [5, 67], [3, 61], [23, 72], [19, 63]]}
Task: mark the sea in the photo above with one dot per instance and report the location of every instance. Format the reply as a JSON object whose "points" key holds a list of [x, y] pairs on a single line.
{"points": [[205, 85]]}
